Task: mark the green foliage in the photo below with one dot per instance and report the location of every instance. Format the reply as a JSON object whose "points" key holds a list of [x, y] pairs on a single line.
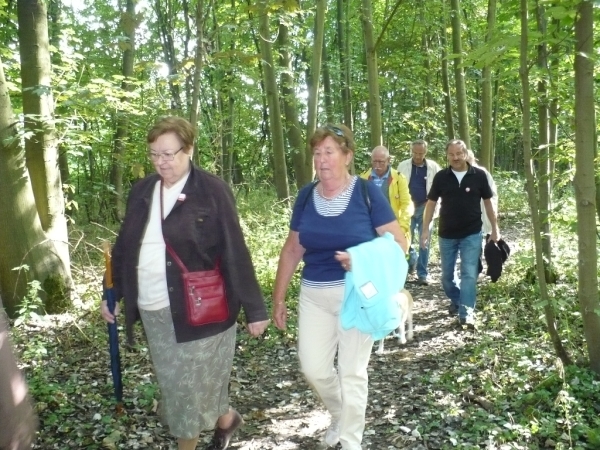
{"points": [[264, 237], [57, 294], [532, 399], [147, 394], [88, 85], [265, 222], [55, 298], [512, 197], [32, 305]]}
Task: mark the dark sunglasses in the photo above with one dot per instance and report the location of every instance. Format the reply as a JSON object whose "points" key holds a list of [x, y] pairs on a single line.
{"points": [[337, 131]]}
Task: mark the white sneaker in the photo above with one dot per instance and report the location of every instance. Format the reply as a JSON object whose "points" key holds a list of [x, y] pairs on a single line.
{"points": [[332, 435]]}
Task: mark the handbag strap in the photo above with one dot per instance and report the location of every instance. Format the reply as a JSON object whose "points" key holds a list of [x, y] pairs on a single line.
{"points": [[178, 260]]}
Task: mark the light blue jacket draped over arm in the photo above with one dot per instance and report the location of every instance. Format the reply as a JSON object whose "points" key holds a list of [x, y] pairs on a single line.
{"points": [[379, 270]]}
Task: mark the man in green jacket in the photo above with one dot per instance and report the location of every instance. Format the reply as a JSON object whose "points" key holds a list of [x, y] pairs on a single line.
{"points": [[393, 185]]}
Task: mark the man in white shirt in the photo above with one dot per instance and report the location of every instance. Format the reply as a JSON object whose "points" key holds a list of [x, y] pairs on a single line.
{"points": [[419, 172]]}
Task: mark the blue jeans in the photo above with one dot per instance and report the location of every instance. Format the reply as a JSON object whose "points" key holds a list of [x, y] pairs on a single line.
{"points": [[418, 256], [461, 292]]}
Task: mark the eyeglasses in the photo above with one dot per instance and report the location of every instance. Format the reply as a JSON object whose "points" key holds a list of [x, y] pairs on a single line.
{"points": [[166, 156], [379, 162]]}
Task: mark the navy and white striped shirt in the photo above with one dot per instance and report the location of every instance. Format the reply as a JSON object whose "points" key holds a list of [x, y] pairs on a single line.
{"points": [[328, 226]]}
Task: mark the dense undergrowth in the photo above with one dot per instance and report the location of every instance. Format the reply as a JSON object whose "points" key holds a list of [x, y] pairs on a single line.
{"points": [[529, 399], [520, 395]]}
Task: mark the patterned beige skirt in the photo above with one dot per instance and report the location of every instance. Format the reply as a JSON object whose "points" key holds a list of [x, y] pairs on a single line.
{"points": [[193, 376]]}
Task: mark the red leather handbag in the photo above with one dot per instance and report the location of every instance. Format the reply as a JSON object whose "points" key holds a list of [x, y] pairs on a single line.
{"points": [[204, 294]]}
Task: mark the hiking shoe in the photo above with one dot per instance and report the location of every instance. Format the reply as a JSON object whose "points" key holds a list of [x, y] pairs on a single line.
{"points": [[423, 281], [332, 435], [453, 309], [467, 322], [411, 269]]}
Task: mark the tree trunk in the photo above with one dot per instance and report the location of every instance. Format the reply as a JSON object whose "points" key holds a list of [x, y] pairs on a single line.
{"points": [[313, 90], [494, 121], [185, 45], [228, 147], [372, 74], [345, 65], [553, 98], [597, 192], [226, 107], [446, 87], [327, 92], [477, 114], [27, 240], [221, 154], [485, 155], [54, 33], [553, 125], [543, 154], [427, 66], [20, 231], [41, 147], [194, 109], [531, 191], [288, 92], [165, 31], [459, 75], [585, 192], [280, 170], [129, 25]]}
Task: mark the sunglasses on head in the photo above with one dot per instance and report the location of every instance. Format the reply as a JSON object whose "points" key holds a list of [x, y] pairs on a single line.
{"points": [[337, 131]]}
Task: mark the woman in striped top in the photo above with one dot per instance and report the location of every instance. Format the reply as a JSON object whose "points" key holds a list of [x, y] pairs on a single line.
{"points": [[330, 215]]}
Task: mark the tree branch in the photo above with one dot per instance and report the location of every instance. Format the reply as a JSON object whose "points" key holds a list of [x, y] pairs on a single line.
{"points": [[387, 23]]}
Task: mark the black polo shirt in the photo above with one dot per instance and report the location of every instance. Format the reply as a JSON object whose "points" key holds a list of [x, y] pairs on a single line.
{"points": [[460, 214]]}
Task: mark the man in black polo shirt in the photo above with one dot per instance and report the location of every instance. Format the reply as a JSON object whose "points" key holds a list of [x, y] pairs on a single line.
{"points": [[461, 188]]}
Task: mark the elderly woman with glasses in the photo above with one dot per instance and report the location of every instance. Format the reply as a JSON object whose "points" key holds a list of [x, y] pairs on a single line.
{"points": [[195, 213], [336, 212]]}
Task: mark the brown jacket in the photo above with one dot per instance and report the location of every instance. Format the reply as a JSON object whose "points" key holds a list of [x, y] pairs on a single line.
{"points": [[203, 228], [18, 422]]}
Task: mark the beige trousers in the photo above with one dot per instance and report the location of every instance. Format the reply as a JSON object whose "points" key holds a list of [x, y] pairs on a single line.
{"points": [[320, 336]]}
